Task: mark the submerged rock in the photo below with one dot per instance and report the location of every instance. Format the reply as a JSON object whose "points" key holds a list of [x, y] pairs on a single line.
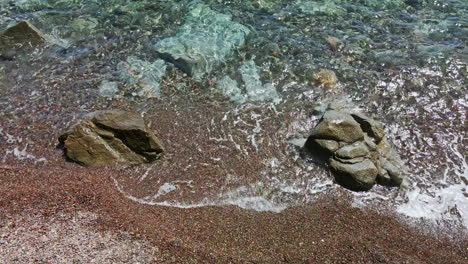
{"points": [[328, 8], [143, 76], [327, 78], [356, 149], [111, 138], [204, 42], [108, 89], [255, 90], [334, 43], [229, 88], [21, 37]]}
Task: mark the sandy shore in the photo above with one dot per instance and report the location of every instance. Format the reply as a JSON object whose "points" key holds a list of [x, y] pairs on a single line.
{"points": [[59, 215], [68, 238]]}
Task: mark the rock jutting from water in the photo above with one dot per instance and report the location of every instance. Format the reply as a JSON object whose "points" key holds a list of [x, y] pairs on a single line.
{"points": [[356, 149], [21, 37], [111, 137], [204, 42]]}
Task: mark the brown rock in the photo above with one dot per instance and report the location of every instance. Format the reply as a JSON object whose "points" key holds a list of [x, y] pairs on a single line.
{"points": [[338, 126], [322, 147], [347, 141], [373, 128], [359, 176], [355, 150], [334, 43], [20, 37], [327, 78], [111, 138]]}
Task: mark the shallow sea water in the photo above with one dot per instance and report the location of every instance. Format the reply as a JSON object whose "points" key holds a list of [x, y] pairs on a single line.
{"points": [[404, 63]]}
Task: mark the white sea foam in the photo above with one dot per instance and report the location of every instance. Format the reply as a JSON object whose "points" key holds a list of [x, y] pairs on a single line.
{"points": [[235, 197], [23, 154], [438, 203], [256, 203]]}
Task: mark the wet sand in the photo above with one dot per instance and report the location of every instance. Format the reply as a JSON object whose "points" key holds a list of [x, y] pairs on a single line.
{"points": [[329, 230]]}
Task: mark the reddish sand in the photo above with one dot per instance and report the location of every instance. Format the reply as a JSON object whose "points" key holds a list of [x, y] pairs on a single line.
{"points": [[327, 231]]}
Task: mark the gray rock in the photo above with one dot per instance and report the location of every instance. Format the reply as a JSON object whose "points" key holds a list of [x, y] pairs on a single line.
{"points": [[350, 161], [111, 138], [357, 177], [391, 162], [348, 143], [370, 143], [329, 145], [298, 142], [323, 148], [355, 150], [390, 174], [383, 178], [338, 126], [373, 128], [203, 43]]}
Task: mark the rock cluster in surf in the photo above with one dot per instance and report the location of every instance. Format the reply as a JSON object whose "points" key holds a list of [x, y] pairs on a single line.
{"points": [[111, 138], [356, 149]]}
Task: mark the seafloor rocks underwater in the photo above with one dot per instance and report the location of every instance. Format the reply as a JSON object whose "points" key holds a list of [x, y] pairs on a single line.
{"points": [[255, 90], [111, 138], [204, 42], [356, 149], [21, 37], [141, 78]]}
